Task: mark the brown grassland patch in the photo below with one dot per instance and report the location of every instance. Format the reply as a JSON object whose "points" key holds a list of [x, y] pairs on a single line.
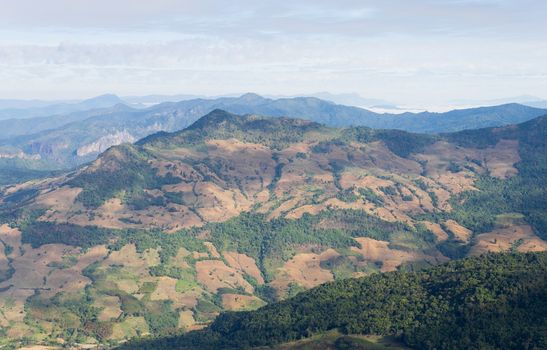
{"points": [[238, 302], [461, 233], [110, 305], [305, 270], [214, 274], [379, 252], [186, 319], [436, 229], [166, 290], [521, 238], [244, 264]]}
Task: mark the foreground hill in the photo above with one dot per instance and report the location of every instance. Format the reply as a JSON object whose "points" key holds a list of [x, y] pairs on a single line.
{"points": [[238, 211], [496, 301], [67, 141]]}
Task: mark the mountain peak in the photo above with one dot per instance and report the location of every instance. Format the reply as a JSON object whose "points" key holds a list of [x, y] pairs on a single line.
{"points": [[102, 101], [251, 97], [104, 98], [213, 118], [219, 124]]}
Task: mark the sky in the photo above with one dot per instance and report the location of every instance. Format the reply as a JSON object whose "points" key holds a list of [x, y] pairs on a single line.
{"points": [[414, 52]]}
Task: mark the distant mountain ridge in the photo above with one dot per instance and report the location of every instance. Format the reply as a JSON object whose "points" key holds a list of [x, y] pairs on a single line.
{"points": [[33, 109]]}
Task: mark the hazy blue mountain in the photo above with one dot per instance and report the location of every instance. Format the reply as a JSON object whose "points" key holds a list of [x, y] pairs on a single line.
{"points": [[537, 104], [150, 100], [426, 122], [23, 104], [43, 109], [461, 119], [16, 127], [527, 100], [522, 99], [353, 99]]}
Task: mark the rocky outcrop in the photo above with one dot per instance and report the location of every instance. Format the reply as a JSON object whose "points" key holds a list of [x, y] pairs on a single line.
{"points": [[103, 143]]}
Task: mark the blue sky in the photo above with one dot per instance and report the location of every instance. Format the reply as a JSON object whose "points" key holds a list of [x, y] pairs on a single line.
{"points": [[408, 51]]}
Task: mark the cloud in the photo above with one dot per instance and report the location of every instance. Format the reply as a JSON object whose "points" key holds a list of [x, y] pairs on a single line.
{"points": [[407, 50], [246, 17]]}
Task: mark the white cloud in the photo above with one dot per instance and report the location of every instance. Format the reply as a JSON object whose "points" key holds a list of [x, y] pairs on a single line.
{"points": [[406, 51]]}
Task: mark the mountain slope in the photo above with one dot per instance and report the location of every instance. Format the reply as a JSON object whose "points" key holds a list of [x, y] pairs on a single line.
{"points": [[238, 211], [494, 301]]}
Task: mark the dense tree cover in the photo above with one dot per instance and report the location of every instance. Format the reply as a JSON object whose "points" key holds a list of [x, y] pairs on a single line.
{"points": [[400, 142], [403, 143], [493, 301], [38, 233], [371, 196], [161, 318], [21, 196], [347, 195], [258, 237]]}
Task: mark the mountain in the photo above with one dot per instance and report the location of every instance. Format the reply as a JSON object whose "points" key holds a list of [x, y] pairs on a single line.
{"points": [[353, 99], [237, 211], [23, 156], [12, 128], [527, 100], [150, 100], [24, 104], [495, 301], [537, 104], [68, 141], [33, 109]]}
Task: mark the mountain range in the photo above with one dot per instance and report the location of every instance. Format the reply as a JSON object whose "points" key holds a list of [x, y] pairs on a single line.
{"points": [[68, 140], [235, 211], [21, 109]]}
